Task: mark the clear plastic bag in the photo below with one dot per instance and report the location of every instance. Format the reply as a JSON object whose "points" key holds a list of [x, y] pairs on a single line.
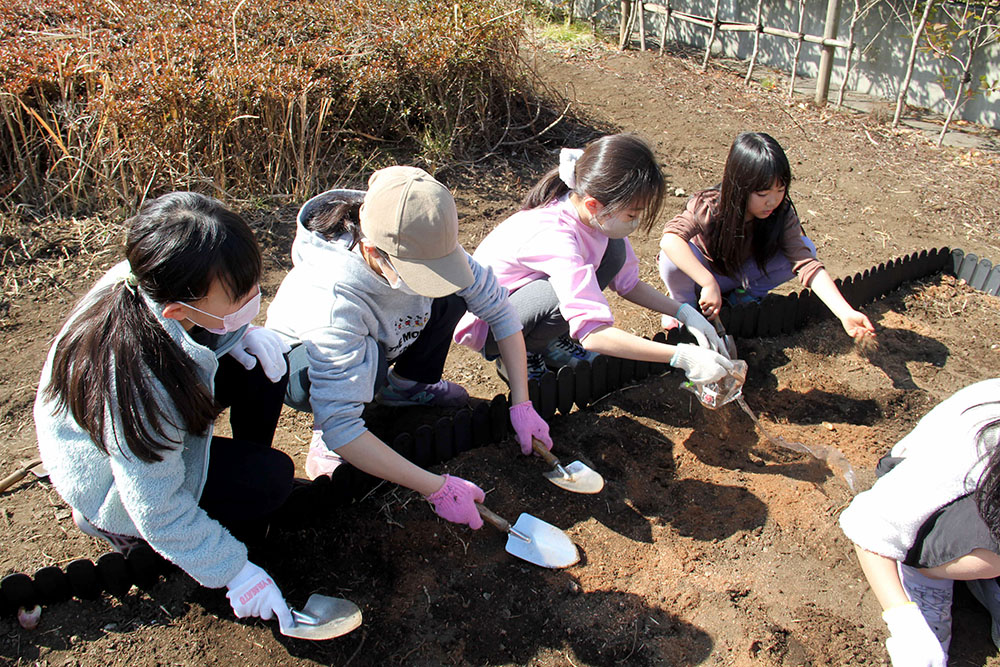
{"points": [[832, 456], [716, 394]]}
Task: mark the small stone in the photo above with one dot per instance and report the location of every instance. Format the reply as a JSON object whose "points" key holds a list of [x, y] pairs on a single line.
{"points": [[487, 595], [679, 192], [829, 427], [574, 588]]}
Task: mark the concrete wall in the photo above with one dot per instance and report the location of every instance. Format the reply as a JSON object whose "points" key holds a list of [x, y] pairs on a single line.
{"points": [[878, 73]]}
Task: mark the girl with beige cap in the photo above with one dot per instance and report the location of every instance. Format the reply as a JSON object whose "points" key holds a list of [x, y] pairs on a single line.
{"points": [[379, 282]]}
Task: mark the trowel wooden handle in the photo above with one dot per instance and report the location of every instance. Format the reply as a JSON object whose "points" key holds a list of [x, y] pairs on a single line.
{"points": [[15, 477], [493, 519], [541, 450]]}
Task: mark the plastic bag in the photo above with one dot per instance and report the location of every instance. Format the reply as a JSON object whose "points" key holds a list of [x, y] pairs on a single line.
{"points": [[716, 394]]}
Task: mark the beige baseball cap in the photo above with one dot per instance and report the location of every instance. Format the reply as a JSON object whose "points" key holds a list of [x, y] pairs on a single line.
{"points": [[412, 218]]}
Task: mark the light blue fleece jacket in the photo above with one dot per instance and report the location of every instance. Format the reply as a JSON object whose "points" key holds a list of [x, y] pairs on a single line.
{"points": [[341, 310], [121, 494]]}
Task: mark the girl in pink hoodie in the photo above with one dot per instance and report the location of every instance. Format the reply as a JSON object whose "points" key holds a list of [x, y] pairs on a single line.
{"points": [[567, 244]]}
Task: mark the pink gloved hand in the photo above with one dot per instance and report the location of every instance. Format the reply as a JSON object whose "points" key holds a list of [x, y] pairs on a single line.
{"points": [[456, 501], [527, 425]]}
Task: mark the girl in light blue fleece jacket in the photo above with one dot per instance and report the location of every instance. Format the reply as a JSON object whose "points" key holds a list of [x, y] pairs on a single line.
{"points": [[132, 386], [380, 280]]}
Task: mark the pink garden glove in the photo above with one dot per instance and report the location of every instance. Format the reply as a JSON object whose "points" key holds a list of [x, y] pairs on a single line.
{"points": [[456, 501], [527, 425]]}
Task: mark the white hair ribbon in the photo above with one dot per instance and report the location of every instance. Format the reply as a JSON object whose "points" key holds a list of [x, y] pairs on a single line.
{"points": [[567, 165]]}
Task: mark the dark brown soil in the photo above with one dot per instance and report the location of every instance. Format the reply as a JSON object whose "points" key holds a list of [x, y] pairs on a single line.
{"points": [[709, 545]]}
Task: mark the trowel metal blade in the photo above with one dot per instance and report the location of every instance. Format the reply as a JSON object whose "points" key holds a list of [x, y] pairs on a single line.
{"points": [[323, 617], [546, 545], [731, 346], [582, 478]]}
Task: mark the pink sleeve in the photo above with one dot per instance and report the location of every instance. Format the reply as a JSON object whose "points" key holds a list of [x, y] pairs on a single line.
{"points": [[574, 281]]}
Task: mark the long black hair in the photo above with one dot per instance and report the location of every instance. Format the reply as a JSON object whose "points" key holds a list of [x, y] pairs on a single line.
{"points": [[618, 170], [988, 487], [755, 163], [177, 246]]}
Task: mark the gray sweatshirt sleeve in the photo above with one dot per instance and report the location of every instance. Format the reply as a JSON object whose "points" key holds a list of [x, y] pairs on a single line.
{"points": [[343, 362], [487, 299]]}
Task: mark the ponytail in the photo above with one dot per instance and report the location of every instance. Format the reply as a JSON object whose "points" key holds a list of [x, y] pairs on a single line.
{"points": [[550, 187], [988, 488], [333, 214]]}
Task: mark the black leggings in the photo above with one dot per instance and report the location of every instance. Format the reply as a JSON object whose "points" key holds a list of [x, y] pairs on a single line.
{"points": [[247, 479]]}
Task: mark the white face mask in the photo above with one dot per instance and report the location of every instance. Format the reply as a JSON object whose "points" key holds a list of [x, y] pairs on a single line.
{"points": [[617, 229], [233, 321]]}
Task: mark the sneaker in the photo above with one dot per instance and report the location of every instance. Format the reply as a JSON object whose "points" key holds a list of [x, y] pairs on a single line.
{"points": [[442, 394], [536, 367], [123, 544], [987, 591], [933, 598], [564, 351], [321, 460]]}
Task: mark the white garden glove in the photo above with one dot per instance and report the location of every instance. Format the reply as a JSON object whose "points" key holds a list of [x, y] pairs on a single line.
{"points": [[253, 593], [912, 642], [702, 330], [268, 347], [700, 365]]}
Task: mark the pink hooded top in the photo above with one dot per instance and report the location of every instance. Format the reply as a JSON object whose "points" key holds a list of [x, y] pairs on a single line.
{"points": [[551, 243]]}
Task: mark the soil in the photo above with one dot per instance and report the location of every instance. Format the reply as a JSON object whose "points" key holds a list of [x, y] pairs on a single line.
{"points": [[709, 544]]}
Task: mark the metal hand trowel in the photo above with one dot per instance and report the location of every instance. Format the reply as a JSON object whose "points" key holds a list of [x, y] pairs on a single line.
{"points": [[323, 617], [576, 477], [534, 540], [35, 467], [727, 339]]}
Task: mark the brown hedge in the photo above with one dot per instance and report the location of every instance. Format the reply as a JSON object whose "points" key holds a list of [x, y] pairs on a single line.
{"points": [[103, 100]]}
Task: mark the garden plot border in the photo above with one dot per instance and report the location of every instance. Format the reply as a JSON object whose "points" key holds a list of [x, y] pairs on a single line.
{"points": [[489, 422]]}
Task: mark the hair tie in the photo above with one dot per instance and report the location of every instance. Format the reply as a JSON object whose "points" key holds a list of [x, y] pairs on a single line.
{"points": [[567, 165], [131, 282]]}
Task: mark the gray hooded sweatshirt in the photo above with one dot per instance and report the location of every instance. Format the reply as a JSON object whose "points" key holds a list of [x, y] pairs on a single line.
{"points": [[342, 311]]}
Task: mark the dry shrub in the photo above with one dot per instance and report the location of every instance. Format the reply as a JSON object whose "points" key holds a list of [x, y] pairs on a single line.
{"points": [[105, 101]]}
